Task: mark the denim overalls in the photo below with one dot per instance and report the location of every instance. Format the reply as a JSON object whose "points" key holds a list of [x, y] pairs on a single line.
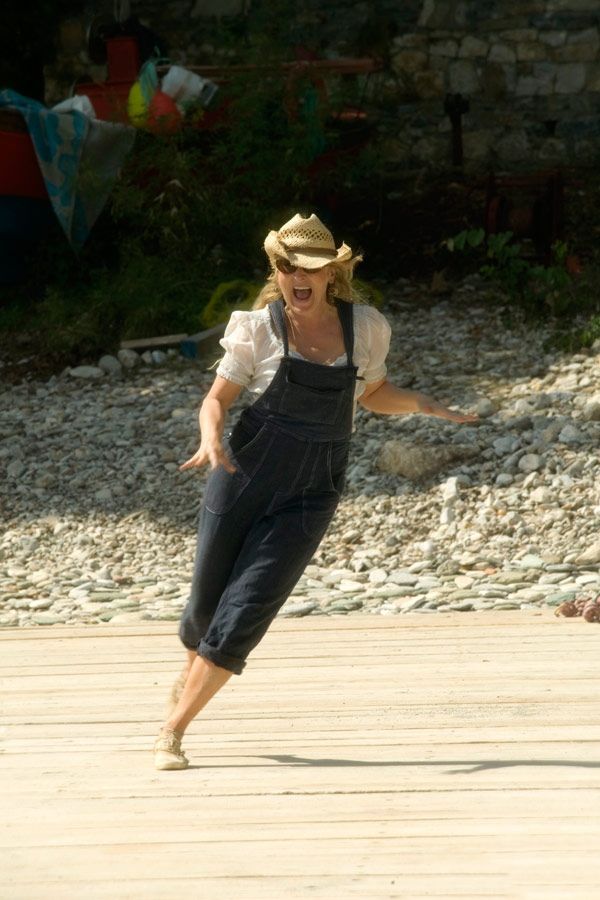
{"points": [[260, 526]]}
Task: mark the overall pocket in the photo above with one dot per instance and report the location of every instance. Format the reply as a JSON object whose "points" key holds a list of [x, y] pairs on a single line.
{"points": [[319, 406], [248, 449], [224, 489]]}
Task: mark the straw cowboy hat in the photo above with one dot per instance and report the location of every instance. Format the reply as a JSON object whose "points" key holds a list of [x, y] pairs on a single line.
{"points": [[305, 242]]}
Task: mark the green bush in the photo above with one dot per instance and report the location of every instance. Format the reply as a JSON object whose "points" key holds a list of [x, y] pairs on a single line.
{"points": [[571, 300]]}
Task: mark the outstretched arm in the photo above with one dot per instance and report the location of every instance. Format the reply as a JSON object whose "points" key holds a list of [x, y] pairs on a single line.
{"points": [[212, 420], [384, 397]]}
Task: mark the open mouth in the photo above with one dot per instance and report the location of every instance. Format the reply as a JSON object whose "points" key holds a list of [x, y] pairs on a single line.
{"points": [[302, 293]]}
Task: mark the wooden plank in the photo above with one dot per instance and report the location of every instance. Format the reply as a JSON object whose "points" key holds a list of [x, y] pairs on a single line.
{"points": [[202, 342], [153, 343], [409, 757]]}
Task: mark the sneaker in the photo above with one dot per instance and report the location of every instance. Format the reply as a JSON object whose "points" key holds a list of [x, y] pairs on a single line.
{"points": [[167, 750]]}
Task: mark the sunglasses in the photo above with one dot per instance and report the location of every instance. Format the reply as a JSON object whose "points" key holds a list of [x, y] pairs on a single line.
{"points": [[282, 265]]}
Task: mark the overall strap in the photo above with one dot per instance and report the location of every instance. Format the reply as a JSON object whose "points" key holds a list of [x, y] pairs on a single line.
{"points": [[278, 322], [346, 314]]}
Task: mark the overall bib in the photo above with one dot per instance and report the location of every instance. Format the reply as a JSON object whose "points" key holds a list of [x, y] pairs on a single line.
{"points": [[260, 526]]}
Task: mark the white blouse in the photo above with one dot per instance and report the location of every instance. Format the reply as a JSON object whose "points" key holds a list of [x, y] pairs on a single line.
{"points": [[253, 350]]}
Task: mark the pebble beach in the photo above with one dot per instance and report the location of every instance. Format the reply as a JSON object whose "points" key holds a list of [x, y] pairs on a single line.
{"points": [[98, 524]]}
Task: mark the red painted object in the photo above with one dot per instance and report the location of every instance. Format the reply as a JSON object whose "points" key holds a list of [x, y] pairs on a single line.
{"points": [[20, 174], [163, 115], [109, 98], [123, 59]]}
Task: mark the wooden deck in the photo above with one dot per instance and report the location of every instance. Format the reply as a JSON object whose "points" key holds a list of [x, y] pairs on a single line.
{"points": [[448, 756]]}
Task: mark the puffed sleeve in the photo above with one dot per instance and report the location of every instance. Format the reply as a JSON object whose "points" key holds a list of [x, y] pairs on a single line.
{"points": [[237, 364], [377, 342]]}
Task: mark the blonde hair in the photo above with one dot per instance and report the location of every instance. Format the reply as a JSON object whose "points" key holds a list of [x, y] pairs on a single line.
{"points": [[341, 288]]}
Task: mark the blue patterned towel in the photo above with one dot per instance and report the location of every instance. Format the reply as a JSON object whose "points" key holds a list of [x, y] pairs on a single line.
{"points": [[79, 159]]}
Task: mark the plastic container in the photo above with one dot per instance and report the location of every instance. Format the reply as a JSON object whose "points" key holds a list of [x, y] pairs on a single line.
{"points": [[123, 58], [163, 115], [186, 87]]}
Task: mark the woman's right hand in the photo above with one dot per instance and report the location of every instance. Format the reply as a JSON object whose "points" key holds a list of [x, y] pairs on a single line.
{"points": [[213, 453], [212, 416]]}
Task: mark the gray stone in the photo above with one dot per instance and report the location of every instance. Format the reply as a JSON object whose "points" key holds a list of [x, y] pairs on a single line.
{"points": [[413, 604], [590, 556], [541, 83], [89, 373], [345, 605], [541, 495], [291, 609], [485, 408], [403, 579], [562, 597], [409, 61], [591, 410], [126, 618], [570, 78], [415, 462], [463, 77], [506, 444], [570, 435], [530, 52], [444, 48], [502, 54], [378, 576], [513, 146], [44, 618], [472, 47], [509, 576], [552, 38], [530, 462], [428, 85], [348, 586], [129, 359], [529, 561], [462, 606], [41, 603], [110, 365]]}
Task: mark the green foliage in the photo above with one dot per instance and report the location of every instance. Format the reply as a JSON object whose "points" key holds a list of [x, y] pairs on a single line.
{"points": [[368, 292], [146, 297], [229, 296], [537, 289], [470, 238]]}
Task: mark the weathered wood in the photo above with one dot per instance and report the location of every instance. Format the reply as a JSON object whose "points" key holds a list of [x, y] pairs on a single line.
{"points": [[203, 342], [363, 757], [152, 343]]}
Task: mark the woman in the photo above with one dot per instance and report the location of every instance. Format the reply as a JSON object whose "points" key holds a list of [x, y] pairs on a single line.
{"points": [[307, 353]]}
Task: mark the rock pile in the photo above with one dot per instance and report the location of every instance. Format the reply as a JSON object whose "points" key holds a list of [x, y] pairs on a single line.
{"points": [[99, 524]]}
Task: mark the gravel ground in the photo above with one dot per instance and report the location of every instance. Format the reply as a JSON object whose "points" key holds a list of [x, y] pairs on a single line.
{"points": [[99, 524]]}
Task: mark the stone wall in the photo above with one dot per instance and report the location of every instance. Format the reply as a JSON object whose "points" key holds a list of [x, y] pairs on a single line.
{"points": [[529, 69]]}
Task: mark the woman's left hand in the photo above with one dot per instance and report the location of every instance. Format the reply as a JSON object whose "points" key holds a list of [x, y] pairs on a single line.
{"points": [[433, 408]]}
